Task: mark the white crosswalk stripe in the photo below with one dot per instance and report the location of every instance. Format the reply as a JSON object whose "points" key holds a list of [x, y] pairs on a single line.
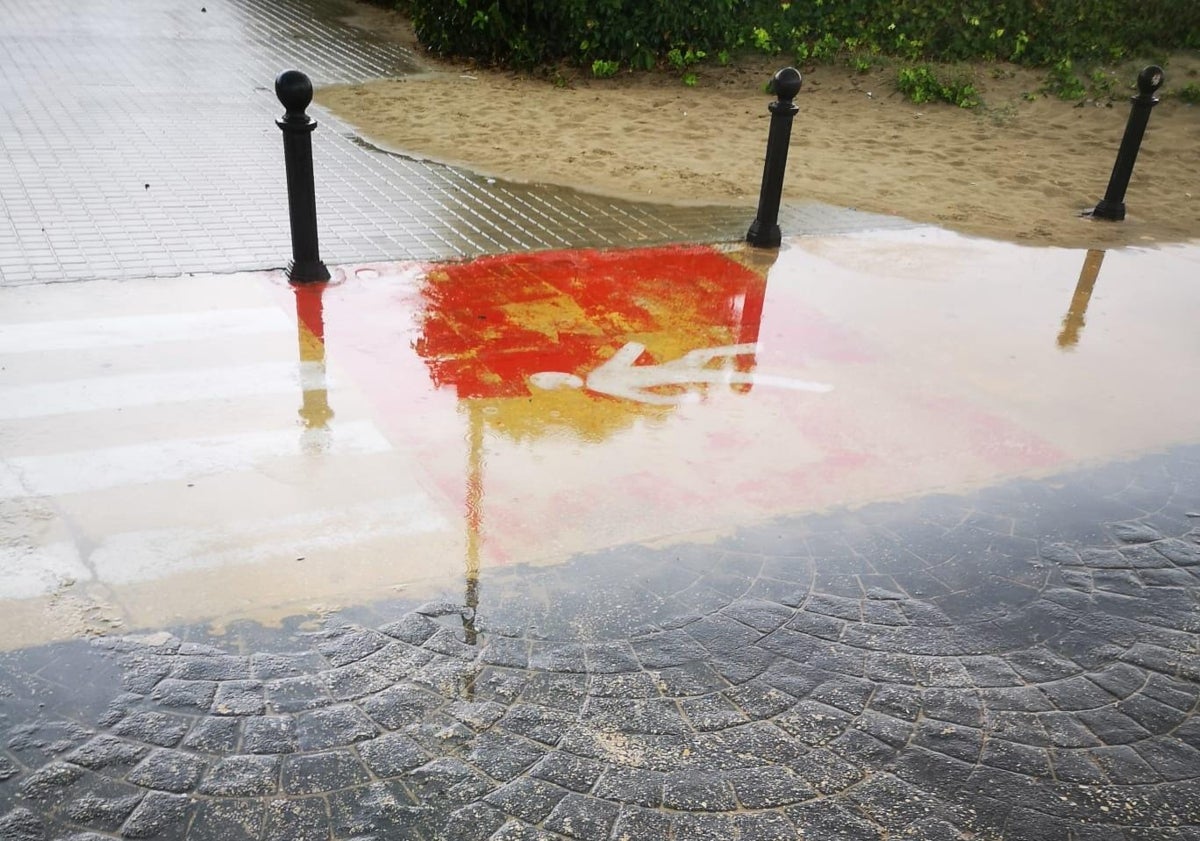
{"points": [[124, 391], [121, 331], [156, 410], [177, 459]]}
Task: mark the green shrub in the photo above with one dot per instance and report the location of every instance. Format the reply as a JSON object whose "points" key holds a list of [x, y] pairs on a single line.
{"points": [[529, 32], [1063, 83], [640, 33], [1189, 93], [602, 69], [923, 84]]}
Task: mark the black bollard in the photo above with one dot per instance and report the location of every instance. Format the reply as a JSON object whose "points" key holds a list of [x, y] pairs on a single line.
{"points": [[295, 92], [1112, 206], [764, 230]]}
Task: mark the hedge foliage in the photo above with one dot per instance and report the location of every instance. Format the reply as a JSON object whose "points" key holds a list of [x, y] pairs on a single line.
{"points": [[639, 33]]}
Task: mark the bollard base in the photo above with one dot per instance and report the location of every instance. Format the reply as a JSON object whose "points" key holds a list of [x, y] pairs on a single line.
{"points": [[1112, 211], [308, 271], [764, 236]]}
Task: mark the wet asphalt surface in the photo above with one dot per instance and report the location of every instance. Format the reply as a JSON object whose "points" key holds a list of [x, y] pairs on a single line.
{"points": [[1019, 662]]}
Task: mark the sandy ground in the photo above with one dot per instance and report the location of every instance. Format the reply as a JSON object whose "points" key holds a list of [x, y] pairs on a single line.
{"points": [[1021, 167]]}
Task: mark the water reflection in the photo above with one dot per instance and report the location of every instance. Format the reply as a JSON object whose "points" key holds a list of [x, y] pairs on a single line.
{"points": [[315, 412], [502, 332], [1073, 322], [474, 519], [507, 331]]}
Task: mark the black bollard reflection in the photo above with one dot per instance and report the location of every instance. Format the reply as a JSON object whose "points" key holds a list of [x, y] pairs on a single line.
{"points": [[1074, 320], [474, 520], [750, 310]]}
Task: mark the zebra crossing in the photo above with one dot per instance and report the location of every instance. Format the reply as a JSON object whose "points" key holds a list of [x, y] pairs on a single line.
{"points": [[155, 447]]}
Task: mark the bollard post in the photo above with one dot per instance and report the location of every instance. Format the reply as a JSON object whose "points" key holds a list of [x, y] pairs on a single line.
{"points": [[295, 92], [764, 230], [1112, 206]]}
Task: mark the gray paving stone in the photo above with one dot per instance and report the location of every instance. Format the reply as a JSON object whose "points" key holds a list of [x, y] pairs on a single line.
{"points": [[103, 809], [296, 819], [1153, 716], [316, 773], [269, 666], [670, 648], [168, 770], [769, 787], [333, 727], [610, 658], [401, 705], [634, 822], [49, 782], [529, 799], [476, 822], [295, 694], [514, 830], [240, 697], [214, 735], [698, 792], [211, 667], [499, 651], [162, 729], [566, 692], [107, 751], [273, 734], [342, 646], [228, 820], [540, 725], [242, 776], [503, 757], [22, 825], [633, 786], [764, 826], [185, 693], [413, 629], [895, 732], [158, 814], [575, 773], [702, 827], [354, 681], [582, 817], [449, 782], [478, 715]]}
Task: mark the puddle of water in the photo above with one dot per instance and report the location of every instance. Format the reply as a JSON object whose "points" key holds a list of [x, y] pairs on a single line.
{"points": [[210, 448]]}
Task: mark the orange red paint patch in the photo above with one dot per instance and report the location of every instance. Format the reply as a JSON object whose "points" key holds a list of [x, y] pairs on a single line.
{"points": [[488, 326]]}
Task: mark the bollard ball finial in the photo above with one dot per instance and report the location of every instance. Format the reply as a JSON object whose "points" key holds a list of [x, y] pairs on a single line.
{"points": [[786, 83], [295, 92], [1149, 80]]}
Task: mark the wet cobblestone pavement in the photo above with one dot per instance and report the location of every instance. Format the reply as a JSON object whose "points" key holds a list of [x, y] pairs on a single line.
{"points": [[138, 139], [1020, 663]]}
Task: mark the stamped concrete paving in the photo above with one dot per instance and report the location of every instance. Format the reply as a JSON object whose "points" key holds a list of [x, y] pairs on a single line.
{"points": [[1016, 663]]}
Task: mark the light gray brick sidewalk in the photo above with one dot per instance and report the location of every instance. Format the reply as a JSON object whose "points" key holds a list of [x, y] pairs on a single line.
{"points": [[138, 138]]}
